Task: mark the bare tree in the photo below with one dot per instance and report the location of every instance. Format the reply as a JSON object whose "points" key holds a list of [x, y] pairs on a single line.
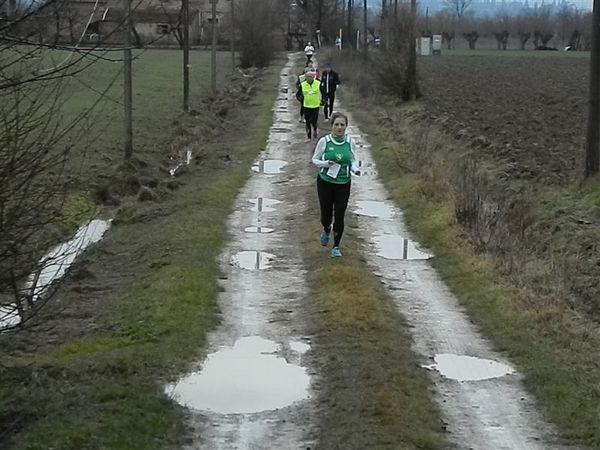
{"points": [[459, 7], [36, 142], [471, 38], [257, 21], [501, 39], [523, 38]]}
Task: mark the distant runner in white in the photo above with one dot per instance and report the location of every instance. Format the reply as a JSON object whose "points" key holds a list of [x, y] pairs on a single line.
{"points": [[334, 156], [309, 51]]}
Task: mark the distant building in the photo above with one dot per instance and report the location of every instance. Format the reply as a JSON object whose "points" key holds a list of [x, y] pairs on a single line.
{"points": [[156, 23]]}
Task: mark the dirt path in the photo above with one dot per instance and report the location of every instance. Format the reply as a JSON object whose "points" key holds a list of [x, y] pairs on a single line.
{"points": [[480, 395], [254, 389]]}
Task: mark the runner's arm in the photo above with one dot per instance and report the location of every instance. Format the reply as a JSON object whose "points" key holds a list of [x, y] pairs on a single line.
{"points": [[354, 167], [319, 150]]}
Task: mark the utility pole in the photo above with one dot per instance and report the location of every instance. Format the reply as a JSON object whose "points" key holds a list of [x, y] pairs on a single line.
{"points": [[213, 55], [365, 25], [186, 55], [127, 88], [411, 90], [592, 154], [350, 5], [233, 34]]}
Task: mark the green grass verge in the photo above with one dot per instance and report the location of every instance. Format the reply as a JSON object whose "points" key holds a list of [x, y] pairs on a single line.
{"points": [[554, 346], [105, 391], [374, 394]]}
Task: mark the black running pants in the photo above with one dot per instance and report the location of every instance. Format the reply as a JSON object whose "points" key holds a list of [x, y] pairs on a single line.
{"points": [[329, 99], [311, 117], [333, 199]]}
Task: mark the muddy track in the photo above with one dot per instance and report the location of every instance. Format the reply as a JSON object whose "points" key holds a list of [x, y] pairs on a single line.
{"points": [[254, 388], [480, 395]]}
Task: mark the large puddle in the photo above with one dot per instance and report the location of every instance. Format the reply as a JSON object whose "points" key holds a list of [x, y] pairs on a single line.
{"points": [[262, 204], [269, 166], [247, 378], [54, 265], [252, 260], [468, 368], [392, 246], [370, 208]]}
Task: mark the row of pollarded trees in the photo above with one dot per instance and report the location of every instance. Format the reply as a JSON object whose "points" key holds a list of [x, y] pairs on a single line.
{"points": [[539, 29]]}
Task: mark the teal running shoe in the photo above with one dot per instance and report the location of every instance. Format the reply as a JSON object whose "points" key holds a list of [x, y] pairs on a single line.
{"points": [[324, 239], [335, 252]]}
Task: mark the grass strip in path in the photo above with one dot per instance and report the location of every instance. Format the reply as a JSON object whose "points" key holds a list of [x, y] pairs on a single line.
{"points": [[557, 349], [373, 394], [103, 389]]}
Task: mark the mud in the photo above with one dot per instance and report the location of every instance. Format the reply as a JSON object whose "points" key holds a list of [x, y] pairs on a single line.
{"points": [[255, 390]]}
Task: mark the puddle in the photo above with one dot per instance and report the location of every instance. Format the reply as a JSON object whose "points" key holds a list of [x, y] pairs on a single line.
{"points": [[252, 260], [258, 230], [392, 246], [55, 264], [280, 130], [269, 166], [183, 161], [468, 368], [368, 173], [9, 317], [262, 204], [246, 378], [299, 347], [374, 209]]}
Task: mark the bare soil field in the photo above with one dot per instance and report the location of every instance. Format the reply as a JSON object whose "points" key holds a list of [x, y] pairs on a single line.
{"points": [[528, 111]]}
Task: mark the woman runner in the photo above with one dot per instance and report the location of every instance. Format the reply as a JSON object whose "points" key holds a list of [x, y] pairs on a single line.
{"points": [[335, 159]]}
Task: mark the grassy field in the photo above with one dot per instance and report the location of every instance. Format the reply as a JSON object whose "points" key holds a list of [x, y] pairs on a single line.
{"points": [[157, 103], [89, 375]]}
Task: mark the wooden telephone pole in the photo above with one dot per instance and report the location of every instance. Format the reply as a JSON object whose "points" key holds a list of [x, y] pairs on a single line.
{"points": [[592, 154], [213, 54], [186, 54], [127, 84]]}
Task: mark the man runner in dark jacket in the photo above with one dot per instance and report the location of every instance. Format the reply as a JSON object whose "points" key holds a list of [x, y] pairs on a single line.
{"points": [[329, 83]]}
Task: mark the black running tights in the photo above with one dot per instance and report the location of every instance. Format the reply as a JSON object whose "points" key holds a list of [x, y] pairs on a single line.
{"points": [[311, 116], [333, 199]]}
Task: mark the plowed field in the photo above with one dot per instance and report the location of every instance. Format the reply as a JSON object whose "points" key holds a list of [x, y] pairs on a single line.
{"points": [[528, 111]]}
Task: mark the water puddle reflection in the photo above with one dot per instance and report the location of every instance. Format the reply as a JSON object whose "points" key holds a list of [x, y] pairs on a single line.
{"points": [[269, 166], [468, 368], [55, 265], [392, 246], [280, 130], [299, 347], [258, 230], [370, 208], [252, 260], [263, 204], [247, 378]]}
